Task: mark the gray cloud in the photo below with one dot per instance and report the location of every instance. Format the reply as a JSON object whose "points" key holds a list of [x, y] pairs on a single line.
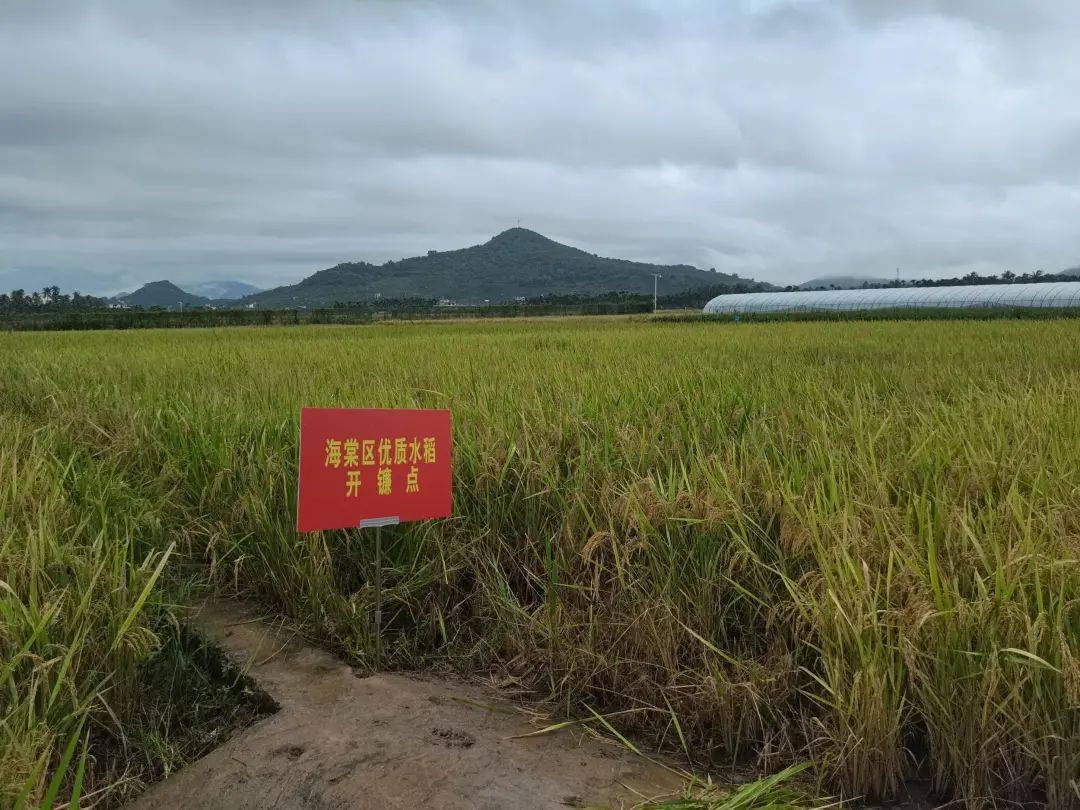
{"points": [[778, 139]]}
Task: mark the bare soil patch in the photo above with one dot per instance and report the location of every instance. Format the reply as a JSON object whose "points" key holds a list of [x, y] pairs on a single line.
{"points": [[339, 740]]}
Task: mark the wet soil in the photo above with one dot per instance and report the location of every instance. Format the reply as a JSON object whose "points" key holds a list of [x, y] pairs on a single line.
{"points": [[389, 741]]}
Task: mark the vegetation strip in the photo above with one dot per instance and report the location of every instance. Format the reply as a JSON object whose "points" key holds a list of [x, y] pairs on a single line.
{"points": [[853, 543]]}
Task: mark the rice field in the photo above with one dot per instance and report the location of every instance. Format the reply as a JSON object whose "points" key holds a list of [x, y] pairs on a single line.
{"points": [[855, 544]]}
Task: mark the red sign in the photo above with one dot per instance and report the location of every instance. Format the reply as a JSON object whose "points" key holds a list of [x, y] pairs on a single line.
{"points": [[363, 463]]}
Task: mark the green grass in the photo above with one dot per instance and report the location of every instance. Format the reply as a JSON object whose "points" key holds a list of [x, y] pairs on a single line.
{"points": [[769, 793], [851, 543]]}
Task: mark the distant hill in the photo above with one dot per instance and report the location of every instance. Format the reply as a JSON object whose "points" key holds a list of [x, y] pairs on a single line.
{"points": [[163, 294], [841, 282], [222, 290], [517, 262]]}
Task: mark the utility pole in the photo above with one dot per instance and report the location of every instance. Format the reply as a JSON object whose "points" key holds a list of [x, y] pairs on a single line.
{"points": [[655, 280]]}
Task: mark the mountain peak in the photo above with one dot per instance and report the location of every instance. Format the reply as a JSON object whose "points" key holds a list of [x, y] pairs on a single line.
{"points": [[164, 285], [162, 294], [516, 263], [520, 236], [221, 289]]}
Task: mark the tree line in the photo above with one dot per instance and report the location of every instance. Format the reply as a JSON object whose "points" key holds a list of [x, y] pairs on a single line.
{"points": [[971, 279], [48, 299], [615, 300]]}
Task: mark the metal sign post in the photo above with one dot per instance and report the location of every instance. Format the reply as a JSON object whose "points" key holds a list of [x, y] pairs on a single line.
{"points": [[377, 524], [365, 468]]}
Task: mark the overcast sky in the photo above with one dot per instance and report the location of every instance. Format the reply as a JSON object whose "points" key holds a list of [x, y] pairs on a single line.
{"points": [[777, 139]]}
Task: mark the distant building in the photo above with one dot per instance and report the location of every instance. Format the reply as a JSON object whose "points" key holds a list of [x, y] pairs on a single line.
{"points": [[1050, 294]]}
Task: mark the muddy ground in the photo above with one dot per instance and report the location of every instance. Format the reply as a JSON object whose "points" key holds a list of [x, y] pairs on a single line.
{"points": [[390, 741]]}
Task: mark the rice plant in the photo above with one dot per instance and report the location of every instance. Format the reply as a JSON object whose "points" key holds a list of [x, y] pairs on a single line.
{"points": [[855, 544]]}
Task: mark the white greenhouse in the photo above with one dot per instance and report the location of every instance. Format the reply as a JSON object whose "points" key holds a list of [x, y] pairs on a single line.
{"points": [[1051, 294]]}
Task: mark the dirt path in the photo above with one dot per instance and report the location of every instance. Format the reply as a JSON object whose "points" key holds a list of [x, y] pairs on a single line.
{"points": [[388, 741]]}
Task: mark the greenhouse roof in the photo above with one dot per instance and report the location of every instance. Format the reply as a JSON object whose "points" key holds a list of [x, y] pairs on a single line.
{"points": [[1051, 294]]}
